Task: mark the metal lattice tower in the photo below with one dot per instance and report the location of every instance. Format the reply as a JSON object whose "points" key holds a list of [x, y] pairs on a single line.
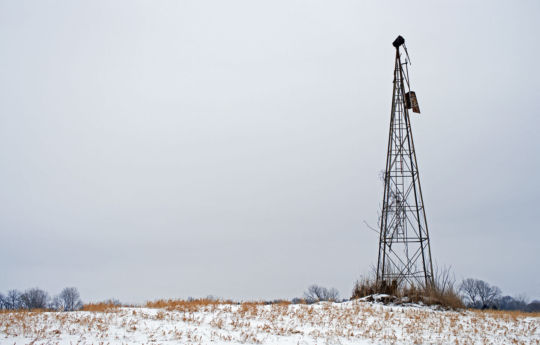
{"points": [[404, 250]]}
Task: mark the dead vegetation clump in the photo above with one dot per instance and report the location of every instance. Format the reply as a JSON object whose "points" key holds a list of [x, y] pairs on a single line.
{"points": [[441, 292], [448, 298]]}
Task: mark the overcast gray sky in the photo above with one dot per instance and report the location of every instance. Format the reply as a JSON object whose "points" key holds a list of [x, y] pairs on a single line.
{"points": [[184, 148]]}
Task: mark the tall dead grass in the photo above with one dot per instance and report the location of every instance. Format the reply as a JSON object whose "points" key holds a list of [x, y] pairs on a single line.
{"points": [[192, 305], [100, 307], [441, 293]]}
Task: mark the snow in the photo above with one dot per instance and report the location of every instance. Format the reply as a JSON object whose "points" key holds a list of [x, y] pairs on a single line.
{"points": [[355, 322]]}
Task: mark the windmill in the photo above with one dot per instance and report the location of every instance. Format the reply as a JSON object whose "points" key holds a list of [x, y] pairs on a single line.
{"points": [[404, 249]]}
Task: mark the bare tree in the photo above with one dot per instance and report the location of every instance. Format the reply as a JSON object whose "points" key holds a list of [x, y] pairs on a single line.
{"points": [[468, 290], [116, 301], [70, 299], [316, 293], [479, 294], [313, 294], [332, 295], [35, 299], [513, 303], [56, 304], [2, 301], [13, 300], [488, 294], [522, 300], [533, 307]]}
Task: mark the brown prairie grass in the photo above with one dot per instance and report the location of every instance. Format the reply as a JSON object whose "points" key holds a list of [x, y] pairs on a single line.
{"points": [[100, 307], [254, 321], [194, 305], [286, 303], [506, 314]]}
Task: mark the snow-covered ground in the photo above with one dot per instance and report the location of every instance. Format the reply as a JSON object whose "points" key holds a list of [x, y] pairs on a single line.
{"points": [[353, 322]]}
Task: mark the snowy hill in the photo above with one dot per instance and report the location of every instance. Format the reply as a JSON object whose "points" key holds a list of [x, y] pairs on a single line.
{"points": [[204, 322]]}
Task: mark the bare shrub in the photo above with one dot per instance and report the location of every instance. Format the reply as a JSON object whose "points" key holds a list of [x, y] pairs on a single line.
{"points": [[443, 291]]}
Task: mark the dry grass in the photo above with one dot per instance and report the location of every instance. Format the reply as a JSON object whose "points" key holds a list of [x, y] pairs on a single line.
{"points": [[448, 298], [204, 321], [445, 296], [100, 307], [505, 314], [364, 287], [194, 305]]}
